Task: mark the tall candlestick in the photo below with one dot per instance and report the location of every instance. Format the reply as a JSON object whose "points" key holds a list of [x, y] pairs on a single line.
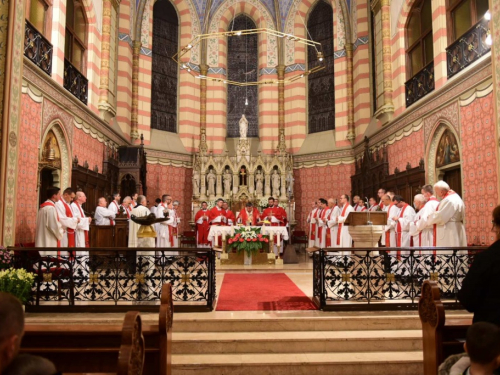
{"points": [[216, 239], [278, 240]]}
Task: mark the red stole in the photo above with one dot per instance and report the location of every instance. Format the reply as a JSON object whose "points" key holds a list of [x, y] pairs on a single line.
{"points": [[69, 231], [381, 205], [328, 240], [45, 204], [388, 233], [128, 210], [420, 233], [86, 232], [450, 192], [320, 229], [355, 207], [313, 226], [399, 230], [339, 230]]}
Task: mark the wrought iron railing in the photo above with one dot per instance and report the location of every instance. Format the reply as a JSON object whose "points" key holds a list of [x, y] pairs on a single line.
{"points": [[37, 48], [75, 82], [121, 277], [420, 84], [386, 279], [468, 48]]}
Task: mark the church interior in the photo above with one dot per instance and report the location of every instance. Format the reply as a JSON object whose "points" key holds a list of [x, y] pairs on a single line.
{"points": [[245, 100]]}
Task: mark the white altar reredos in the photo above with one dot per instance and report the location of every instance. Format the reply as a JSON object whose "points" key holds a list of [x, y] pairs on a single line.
{"points": [[241, 175]]}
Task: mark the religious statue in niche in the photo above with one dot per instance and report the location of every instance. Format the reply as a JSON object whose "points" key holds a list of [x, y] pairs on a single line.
{"points": [[211, 182], [243, 176], [227, 183], [275, 183], [447, 150], [259, 183], [196, 183], [243, 127]]}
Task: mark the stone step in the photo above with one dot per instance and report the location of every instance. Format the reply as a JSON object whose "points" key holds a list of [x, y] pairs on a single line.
{"points": [[305, 363], [295, 342], [292, 322]]}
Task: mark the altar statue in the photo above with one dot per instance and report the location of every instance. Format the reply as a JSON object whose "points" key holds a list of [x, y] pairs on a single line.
{"points": [[211, 182], [196, 183], [243, 127], [227, 182], [259, 187], [275, 182]]}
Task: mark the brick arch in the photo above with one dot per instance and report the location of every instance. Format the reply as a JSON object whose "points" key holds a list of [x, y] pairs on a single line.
{"points": [[268, 46]]}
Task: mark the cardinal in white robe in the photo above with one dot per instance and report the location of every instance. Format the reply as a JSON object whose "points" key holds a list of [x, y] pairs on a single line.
{"points": [[103, 215], [421, 232], [133, 241], [403, 220], [332, 224], [82, 229], [68, 222], [449, 230], [343, 237], [49, 231]]}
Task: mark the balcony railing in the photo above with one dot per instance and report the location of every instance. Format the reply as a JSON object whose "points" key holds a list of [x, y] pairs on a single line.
{"points": [[37, 48], [420, 84], [468, 48], [75, 82]]}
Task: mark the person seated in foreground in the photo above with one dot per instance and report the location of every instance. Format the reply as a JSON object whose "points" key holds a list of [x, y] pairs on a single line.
{"points": [[482, 357], [11, 328], [27, 364]]}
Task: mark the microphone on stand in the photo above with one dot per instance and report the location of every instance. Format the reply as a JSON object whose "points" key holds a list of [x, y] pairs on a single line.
{"points": [[369, 222]]}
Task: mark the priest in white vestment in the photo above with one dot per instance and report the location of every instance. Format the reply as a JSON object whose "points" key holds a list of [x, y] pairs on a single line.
{"points": [[421, 232], [103, 215], [114, 206], [343, 237], [175, 223], [332, 223], [389, 237], [127, 206], [448, 219], [140, 210], [311, 220], [66, 218], [322, 223], [405, 217], [373, 205], [164, 232], [49, 231], [82, 229]]}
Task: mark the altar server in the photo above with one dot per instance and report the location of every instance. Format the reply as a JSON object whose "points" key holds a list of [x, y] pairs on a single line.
{"points": [[82, 229], [343, 237], [448, 219], [103, 215], [202, 226], [68, 222], [49, 231], [405, 217], [164, 233], [311, 220], [249, 215], [114, 206]]}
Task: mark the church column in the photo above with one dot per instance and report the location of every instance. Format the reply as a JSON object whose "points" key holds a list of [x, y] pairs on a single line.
{"points": [[351, 133], [236, 182], [218, 186], [251, 183], [134, 133], [281, 108], [203, 109], [267, 184], [203, 185], [283, 187]]}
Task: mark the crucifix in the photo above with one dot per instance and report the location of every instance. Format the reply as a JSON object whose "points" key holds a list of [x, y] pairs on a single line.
{"points": [[243, 176]]}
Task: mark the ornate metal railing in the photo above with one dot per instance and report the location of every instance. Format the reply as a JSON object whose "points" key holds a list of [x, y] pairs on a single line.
{"points": [[121, 277], [75, 82], [37, 48], [468, 48], [420, 84], [386, 280]]}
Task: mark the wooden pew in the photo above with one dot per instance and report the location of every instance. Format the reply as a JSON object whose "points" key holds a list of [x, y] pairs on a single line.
{"points": [[94, 348], [441, 337]]}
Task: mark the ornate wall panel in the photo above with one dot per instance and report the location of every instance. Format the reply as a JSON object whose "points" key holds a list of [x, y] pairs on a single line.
{"points": [[164, 69], [319, 182], [88, 149], [407, 150], [321, 95], [242, 66]]}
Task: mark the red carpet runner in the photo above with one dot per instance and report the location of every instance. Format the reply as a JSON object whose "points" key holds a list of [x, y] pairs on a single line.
{"points": [[261, 292]]}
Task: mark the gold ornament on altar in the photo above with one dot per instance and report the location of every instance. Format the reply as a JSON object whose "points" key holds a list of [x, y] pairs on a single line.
{"points": [[146, 229], [185, 65]]}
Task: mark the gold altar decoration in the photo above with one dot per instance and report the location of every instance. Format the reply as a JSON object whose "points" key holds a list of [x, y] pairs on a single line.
{"points": [[232, 33]]}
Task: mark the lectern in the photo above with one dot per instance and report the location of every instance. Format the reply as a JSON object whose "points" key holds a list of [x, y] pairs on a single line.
{"points": [[366, 227]]}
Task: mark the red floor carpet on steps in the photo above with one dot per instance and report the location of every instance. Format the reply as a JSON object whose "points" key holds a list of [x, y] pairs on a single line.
{"points": [[261, 292]]}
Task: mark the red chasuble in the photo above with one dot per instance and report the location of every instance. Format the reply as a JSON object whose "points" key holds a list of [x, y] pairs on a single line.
{"points": [[202, 229], [214, 213], [230, 216], [276, 212], [245, 217]]}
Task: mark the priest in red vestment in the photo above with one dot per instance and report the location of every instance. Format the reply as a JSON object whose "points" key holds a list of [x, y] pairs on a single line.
{"points": [[202, 226], [281, 211], [231, 219], [217, 215], [249, 215], [273, 214]]}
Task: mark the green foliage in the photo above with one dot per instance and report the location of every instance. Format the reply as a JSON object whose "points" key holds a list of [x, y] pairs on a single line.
{"points": [[247, 239], [17, 282]]}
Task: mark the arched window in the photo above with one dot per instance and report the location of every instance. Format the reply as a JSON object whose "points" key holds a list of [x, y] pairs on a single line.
{"points": [[321, 93], [36, 12], [242, 66], [164, 69], [76, 32], [419, 42], [463, 14]]}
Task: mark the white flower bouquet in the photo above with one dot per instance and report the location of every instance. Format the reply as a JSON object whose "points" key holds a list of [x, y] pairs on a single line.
{"points": [[17, 282]]}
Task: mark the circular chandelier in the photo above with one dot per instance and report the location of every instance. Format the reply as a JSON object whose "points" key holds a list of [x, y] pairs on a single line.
{"points": [[238, 33]]}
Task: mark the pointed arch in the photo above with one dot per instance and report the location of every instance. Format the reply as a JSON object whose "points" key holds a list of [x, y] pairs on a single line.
{"points": [[64, 146]]}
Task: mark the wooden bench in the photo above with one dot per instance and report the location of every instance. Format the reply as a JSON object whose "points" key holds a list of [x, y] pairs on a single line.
{"points": [[86, 348], [441, 337]]}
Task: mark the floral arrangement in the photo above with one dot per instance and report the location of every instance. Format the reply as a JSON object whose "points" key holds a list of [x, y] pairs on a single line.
{"points": [[263, 204], [210, 204], [247, 239], [5, 258], [17, 282]]}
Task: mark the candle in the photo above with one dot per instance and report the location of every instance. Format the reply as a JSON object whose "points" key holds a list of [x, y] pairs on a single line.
{"points": [[192, 206], [294, 206], [232, 231], [216, 239], [224, 236], [278, 240]]}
